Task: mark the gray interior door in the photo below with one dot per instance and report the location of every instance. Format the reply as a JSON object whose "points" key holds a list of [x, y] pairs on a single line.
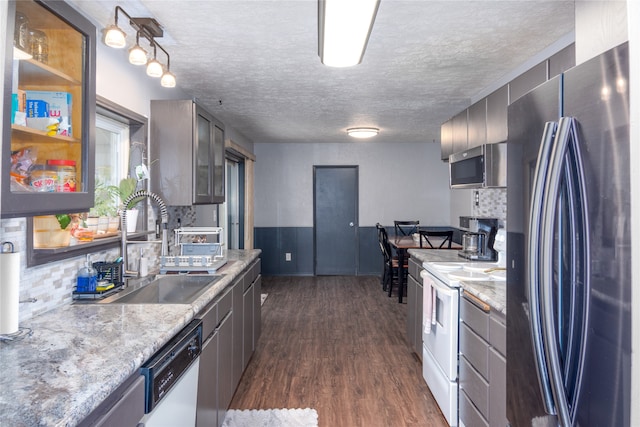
{"points": [[336, 220]]}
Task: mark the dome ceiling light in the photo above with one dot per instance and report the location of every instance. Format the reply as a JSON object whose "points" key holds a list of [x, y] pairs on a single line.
{"points": [[363, 132]]}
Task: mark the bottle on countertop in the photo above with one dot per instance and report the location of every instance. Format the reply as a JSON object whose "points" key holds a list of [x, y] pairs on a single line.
{"points": [[87, 277]]}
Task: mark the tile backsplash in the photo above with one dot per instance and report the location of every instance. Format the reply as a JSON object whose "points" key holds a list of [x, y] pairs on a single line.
{"points": [[492, 203], [52, 284]]}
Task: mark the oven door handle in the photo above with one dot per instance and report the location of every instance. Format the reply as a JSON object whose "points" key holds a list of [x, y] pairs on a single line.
{"points": [[436, 283]]}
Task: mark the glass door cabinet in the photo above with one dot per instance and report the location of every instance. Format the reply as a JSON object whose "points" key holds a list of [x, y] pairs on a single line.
{"points": [[48, 110]]}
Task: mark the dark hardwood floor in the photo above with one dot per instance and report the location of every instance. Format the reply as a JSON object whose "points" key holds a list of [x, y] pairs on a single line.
{"points": [[336, 344]]}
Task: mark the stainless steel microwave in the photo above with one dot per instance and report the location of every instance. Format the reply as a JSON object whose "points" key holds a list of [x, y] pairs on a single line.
{"points": [[484, 166]]}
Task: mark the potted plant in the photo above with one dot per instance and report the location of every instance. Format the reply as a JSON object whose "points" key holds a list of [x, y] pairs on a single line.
{"points": [[122, 191], [103, 216]]}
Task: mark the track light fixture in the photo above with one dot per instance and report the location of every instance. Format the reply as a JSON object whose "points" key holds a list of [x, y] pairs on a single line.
{"points": [[149, 29]]}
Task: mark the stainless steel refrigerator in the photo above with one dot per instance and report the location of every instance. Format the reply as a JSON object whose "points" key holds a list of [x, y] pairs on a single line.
{"points": [[569, 249]]}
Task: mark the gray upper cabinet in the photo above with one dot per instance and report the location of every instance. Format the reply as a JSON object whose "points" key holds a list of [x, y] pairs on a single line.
{"points": [[527, 81], [562, 61], [477, 124], [485, 122], [497, 105], [64, 80], [185, 137], [446, 140], [459, 132]]}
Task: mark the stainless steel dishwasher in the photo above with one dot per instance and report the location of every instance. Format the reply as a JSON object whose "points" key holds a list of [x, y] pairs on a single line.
{"points": [[171, 380]]}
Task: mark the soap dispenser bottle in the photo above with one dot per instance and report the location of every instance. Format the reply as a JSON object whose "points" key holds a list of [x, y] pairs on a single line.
{"points": [[87, 277]]}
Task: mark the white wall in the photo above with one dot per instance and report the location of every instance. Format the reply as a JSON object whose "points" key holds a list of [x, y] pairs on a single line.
{"points": [[397, 181], [128, 85]]}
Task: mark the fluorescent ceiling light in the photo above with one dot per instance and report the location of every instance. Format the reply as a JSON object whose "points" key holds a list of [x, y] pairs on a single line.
{"points": [[343, 30], [363, 132]]}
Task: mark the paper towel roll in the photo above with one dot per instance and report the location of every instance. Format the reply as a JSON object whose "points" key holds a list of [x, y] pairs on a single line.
{"points": [[9, 291]]}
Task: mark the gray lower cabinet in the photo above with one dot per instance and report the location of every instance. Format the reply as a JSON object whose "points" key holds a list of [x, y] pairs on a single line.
{"points": [[414, 307], [214, 378], [225, 330], [238, 329], [257, 310], [207, 406], [482, 364], [123, 407], [226, 387], [251, 311], [497, 369], [247, 324]]}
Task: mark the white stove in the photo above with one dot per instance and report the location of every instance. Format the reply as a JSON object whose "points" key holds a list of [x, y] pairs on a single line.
{"points": [[440, 329]]}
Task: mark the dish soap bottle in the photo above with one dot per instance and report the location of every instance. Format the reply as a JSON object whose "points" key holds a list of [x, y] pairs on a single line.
{"points": [[87, 277]]}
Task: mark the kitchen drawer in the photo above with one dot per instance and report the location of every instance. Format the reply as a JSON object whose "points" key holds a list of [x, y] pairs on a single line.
{"points": [[475, 387], [469, 414], [476, 318], [498, 333], [415, 269], [475, 349]]}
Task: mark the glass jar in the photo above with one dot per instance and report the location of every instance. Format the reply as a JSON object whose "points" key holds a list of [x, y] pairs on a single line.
{"points": [[39, 46], [21, 32], [65, 174]]}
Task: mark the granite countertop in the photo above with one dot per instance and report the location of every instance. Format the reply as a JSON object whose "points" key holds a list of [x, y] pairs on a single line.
{"points": [[436, 255], [492, 292], [80, 353]]}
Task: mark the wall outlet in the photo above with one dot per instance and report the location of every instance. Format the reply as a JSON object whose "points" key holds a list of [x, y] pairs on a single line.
{"points": [[287, 256]]}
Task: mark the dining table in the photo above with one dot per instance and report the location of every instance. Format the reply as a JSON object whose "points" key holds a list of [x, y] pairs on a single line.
{"points": [[402, 244]]}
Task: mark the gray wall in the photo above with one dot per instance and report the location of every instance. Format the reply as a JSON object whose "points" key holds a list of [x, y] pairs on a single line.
{"points": [[397, 181], [403, 181]]}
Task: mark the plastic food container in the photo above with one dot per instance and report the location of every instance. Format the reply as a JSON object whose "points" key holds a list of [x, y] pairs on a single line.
{"points": [[65, 174]]}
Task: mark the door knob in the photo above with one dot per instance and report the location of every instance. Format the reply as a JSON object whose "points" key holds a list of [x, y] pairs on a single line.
{"points": [[351, 224]]}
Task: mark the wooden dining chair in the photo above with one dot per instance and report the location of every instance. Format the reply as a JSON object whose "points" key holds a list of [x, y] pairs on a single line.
{"points": [[425, 234], [381, 233], [390, 272], [406, 228]]}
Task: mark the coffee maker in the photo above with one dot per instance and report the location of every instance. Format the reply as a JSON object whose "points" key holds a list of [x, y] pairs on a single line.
{"points": [[478, 238]]}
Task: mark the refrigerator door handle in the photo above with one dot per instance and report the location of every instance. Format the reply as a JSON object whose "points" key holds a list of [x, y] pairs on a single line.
{"points": [[565, 144], [534, 264]]}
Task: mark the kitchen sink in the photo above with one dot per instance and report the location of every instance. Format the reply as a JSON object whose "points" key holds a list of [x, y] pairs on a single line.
{"points": [[174, 289]]}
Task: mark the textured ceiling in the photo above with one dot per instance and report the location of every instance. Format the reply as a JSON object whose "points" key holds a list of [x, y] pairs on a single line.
{"points": [[424, 62]]}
